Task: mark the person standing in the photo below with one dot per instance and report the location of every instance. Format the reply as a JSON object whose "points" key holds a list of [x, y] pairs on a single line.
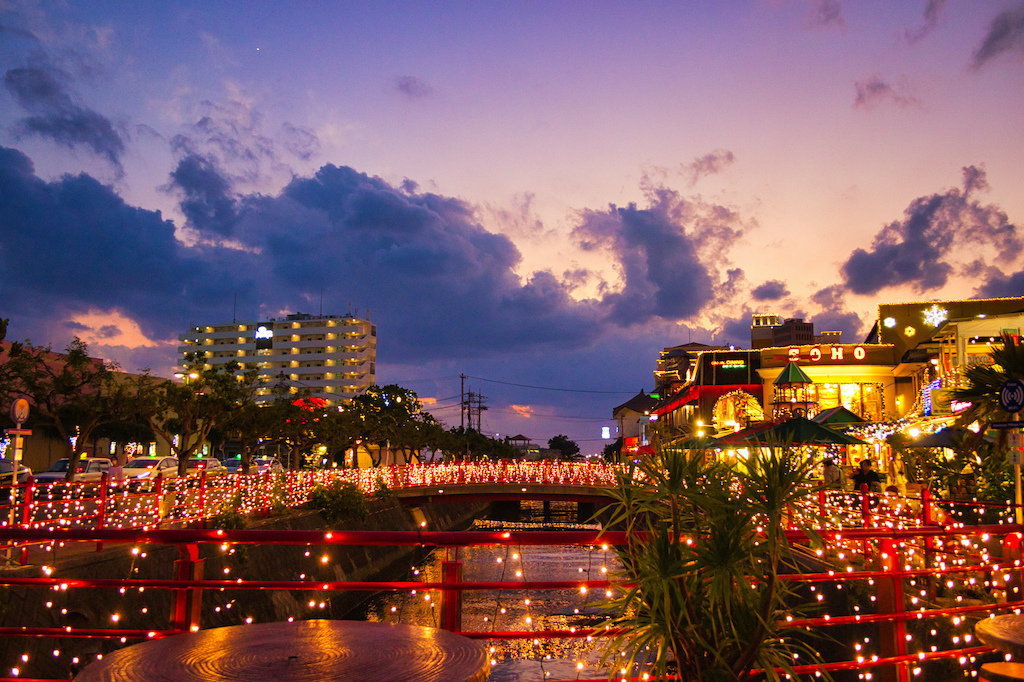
{"points": [[832, 475]]}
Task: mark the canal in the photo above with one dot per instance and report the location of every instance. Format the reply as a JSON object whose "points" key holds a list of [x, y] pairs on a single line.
{"points": [[518, 660]]}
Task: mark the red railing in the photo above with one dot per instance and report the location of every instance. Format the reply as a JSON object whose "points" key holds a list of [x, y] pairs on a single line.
{"points": [[900, 565]]}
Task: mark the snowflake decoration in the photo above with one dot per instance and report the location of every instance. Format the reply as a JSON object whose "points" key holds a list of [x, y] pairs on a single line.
{"points": [[935, 315]]}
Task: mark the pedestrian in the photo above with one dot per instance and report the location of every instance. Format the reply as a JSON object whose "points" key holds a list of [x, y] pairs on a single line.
{"points": [[867, 476], [832, 475]]}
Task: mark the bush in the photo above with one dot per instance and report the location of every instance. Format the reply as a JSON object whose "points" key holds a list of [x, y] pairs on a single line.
{"points": [[339, 501], [227, 516]]}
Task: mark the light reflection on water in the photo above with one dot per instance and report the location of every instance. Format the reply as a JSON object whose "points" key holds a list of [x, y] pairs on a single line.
{"points": [[486, 611]]}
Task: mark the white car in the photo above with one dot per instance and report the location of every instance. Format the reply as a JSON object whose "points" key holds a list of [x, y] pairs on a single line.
{"points": [[7, 468], [143, 468], [262, 465], [89, 469]]}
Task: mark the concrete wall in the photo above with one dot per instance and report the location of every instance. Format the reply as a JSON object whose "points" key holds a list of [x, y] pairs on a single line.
{"points": [[151, 609]]}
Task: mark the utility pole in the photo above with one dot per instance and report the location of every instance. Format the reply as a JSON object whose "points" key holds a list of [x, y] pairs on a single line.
{"points": [[462, 403]]}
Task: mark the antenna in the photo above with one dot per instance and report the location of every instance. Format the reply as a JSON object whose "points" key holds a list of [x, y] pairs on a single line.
{"points": [[321, 301], [234, 309]]}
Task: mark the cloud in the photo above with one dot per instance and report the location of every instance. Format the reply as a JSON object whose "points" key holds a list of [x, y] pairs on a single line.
{"points": [[667, 252], [874, 91], [412, 87], [834, 316], [825, 14], [525, 411], [208, 203], [772, 290], [72, 245], [56, 116], [300, 142], [1005, 33], [709, 164], [931, 19], [915, 250]]}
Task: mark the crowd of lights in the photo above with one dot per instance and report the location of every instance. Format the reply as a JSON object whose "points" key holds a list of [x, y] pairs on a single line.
{"points": [[923, 566]]}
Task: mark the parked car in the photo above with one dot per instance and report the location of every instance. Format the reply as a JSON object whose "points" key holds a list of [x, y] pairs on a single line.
{"points": [[212, 466], [143, 468], [89, 469], [233, 464], [7, 468], [262, 465]]}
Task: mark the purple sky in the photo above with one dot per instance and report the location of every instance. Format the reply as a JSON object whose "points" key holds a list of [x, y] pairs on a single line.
{"points": [[539, 193]]}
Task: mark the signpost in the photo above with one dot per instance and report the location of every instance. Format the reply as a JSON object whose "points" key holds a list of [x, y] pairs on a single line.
{"points": [[1011, 399], [19, 415]]}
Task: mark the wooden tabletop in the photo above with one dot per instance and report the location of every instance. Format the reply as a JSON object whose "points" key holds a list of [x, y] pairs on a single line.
{"points": [[303, 651], [1002, 633]]}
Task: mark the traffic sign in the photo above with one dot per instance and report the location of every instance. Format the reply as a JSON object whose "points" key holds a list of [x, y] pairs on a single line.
{"points": [[19, 411], [1011, 395]]}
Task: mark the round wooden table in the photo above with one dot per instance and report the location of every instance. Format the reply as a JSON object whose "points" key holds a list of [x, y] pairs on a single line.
{"points": [[312, 650], [1002, 633]]}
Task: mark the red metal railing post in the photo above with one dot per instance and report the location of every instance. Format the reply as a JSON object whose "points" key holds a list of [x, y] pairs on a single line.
{"points": [[266, 493], [865, 506], [158, 487], [451, 599], [202, 498], [27, 509], [893, 634], [101, 516], [821, 503], [187, 600], [1011, 566]]}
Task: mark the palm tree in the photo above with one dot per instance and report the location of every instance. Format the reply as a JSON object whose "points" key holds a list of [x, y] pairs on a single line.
{"points": [[701, 588], [984, 382]]}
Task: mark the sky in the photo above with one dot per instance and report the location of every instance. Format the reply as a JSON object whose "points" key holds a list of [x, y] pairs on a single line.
{"points": [[537, 195]]}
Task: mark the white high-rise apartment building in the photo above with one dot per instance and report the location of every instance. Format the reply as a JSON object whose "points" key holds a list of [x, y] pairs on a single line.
{"points": [[334, 357]]}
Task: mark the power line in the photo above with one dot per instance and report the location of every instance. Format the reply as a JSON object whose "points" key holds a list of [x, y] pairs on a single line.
{"points": [[549, 388]]}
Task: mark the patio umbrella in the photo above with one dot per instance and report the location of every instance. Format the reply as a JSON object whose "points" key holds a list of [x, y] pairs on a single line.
{"points": [[796, 431], [943, 438]]}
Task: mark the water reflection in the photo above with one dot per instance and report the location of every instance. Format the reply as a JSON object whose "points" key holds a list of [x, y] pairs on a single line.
{"points": [[503, 611]]}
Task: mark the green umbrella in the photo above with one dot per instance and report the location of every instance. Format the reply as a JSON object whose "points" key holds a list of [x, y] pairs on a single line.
{"points": [[796, 431]]}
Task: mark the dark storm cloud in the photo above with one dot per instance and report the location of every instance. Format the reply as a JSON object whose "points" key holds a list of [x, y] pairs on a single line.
{"points": [[914, 250], [439, 283], [72, 245], [834, 315], [1005, 33], [997, 284], [412, 87], [208, 201], [772, 290], [932, 11], [231, 133], [875, 91], [659, 250], [55, 115], [709, 164], [825, 14]]}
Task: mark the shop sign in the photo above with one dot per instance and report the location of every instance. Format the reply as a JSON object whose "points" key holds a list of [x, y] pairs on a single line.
{"points": [[829, 353]]}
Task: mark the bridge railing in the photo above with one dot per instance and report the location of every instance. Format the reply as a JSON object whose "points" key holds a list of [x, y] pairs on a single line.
{"points": [[903, 599]]}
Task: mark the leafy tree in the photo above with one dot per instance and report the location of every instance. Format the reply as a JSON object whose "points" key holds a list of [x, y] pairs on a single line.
{"points": [[613, 451], [383, 413], [72, 394], [706, 544], [184, 414], [982, 384], [564, 445]]}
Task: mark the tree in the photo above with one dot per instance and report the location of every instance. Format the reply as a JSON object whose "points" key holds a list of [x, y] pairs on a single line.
{"points": [[184, 414], [564, 445], [383, 413], [72, 394], [982, 384], [705, 548]]}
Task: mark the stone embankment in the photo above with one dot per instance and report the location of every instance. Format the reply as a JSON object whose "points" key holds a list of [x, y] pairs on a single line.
{"points": [[147, 609]]}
